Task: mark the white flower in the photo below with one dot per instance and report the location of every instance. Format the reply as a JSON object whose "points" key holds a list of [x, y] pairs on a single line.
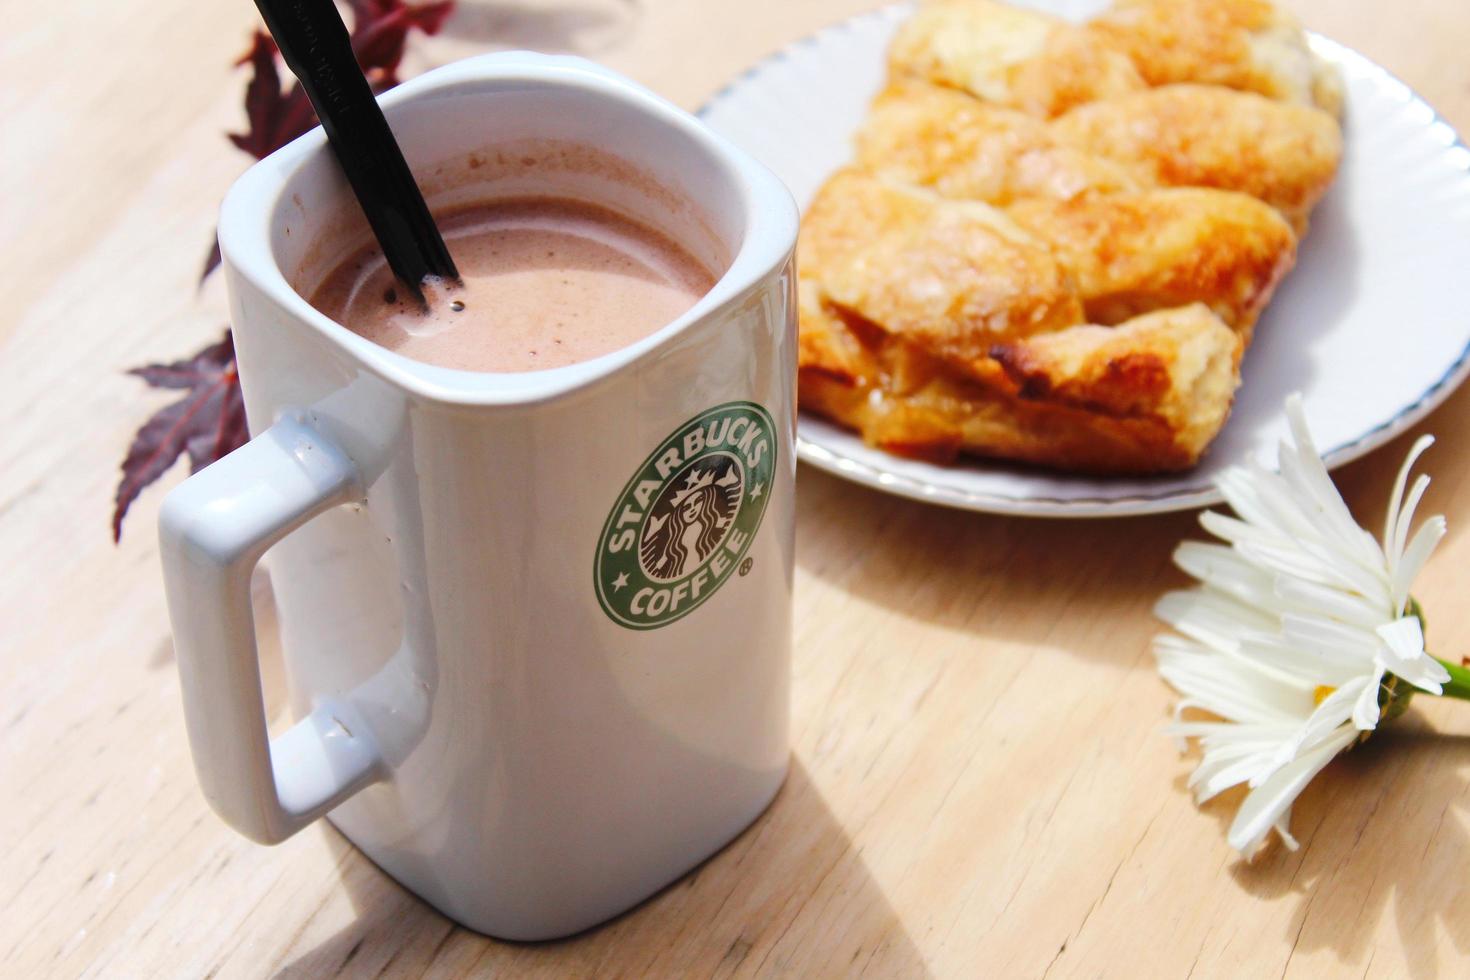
{"points": [[1299, 632], [1263, 717]]}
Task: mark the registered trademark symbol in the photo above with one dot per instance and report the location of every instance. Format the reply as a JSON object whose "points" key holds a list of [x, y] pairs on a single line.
{"points": [[745, 566]]}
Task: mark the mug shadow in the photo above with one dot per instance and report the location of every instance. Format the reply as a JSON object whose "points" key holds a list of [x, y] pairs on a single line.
{"points": [[1366, 847], [791, 894]]}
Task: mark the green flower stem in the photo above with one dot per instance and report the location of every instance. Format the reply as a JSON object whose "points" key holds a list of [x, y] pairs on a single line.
{"points": [[1459, 685]]}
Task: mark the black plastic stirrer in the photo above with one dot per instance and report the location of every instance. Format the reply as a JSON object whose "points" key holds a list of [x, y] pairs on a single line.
{"points": [[317, 49]]}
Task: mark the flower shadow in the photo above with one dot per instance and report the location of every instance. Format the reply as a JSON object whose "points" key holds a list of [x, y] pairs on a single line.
{"points": [[1384, 824]]}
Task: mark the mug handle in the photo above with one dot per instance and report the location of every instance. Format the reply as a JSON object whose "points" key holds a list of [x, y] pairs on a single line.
{"points": [[212, 530]]}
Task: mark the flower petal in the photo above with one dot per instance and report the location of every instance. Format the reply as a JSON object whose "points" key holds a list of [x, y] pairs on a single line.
{"points": [[1397, 514], [1365, 708], [1305, 468], [1233, 689], [1282, 826], [1268, 803], [1393, 548], [1426, 673], [1426, 539], [1225, 569], [1347, 607], [1213, 619], [1335, 710], [1404, 638]]}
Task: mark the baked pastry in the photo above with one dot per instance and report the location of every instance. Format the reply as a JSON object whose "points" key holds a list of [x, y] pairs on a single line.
{"points": [[1006, 56], [1054, 243], [1176, 136], [941, 138], [1133, 252], [1251, 45], [1045, 65], [1145, 396], [1190, 135], [957, 276], [952, 276]]}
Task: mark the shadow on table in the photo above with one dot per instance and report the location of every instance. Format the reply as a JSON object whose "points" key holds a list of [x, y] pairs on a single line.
{"points": [[1024, 577], [1021, 577], [1380, 827], [790, 895]]}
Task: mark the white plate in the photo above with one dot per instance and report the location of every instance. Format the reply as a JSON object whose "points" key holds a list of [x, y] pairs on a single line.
{"points": [[1373, 325]]}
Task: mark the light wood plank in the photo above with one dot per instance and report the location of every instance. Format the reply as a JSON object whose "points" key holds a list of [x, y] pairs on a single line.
{"points": [[979, 784]]}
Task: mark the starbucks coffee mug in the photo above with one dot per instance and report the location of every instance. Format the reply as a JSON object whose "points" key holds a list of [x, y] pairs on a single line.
{"points": [[536, 626]]}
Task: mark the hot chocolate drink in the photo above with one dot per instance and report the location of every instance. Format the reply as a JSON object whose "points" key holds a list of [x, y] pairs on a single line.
{"points": [[547, 282]]}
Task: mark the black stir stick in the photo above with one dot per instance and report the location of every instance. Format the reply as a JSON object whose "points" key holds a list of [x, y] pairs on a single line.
{"points": [[317, 49]]}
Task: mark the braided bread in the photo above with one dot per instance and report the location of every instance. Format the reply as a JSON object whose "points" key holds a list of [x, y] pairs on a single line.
{"points": [[1055, 240]]}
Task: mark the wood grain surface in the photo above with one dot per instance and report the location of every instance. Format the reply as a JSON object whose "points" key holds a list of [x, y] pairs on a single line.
{"points": [[979, 784]]}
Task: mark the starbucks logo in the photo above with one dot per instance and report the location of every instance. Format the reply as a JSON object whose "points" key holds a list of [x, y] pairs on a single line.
{"points": [[684, 521]]}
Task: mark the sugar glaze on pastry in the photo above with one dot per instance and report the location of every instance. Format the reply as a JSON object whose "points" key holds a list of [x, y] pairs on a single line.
{"points": [[1055, 239]]}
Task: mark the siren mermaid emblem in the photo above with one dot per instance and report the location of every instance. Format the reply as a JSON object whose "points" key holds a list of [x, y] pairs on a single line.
{"points": [[687, 517], [691, 517]]}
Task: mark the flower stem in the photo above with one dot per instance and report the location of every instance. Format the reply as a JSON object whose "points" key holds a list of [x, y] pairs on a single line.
{"points": [[1459, 684]]}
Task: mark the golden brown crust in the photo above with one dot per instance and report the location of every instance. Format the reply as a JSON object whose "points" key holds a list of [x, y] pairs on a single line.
{"points": [[1206, 136], [956, 276], [1148, 250], [935, 137], [1144, 397], [1175, 136], [1011, 57], [1252, 45], [1045, 66]]}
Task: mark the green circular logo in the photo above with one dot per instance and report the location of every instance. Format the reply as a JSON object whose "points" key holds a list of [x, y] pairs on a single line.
{"points": [[683, 523]]}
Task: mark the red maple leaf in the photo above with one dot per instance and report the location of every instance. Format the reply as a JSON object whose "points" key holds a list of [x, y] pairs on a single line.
{"points": [[276, 115], [380, 32], [207, 423], [380, 29]]}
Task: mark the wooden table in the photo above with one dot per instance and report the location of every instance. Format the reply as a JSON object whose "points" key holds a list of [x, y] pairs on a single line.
{"points": [[979, 785]]}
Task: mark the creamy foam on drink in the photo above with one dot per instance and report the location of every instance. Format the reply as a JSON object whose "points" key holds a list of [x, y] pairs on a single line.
{"points": [[547, 282]]}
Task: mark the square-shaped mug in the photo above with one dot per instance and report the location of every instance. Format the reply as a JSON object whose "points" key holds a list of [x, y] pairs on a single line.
{"points": [[505, 701]]}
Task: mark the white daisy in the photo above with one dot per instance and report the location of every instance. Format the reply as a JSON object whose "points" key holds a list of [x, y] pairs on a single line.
{"points": [[1262, 714], [1300, 632]]}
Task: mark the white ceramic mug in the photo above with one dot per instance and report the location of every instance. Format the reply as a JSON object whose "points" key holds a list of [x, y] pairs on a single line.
{"points": [[502, 703]]}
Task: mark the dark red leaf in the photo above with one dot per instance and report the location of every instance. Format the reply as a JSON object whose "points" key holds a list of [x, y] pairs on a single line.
{"points": [[276, 115], [207, 423], [380, 32], [187, 373], [229, 432]]}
